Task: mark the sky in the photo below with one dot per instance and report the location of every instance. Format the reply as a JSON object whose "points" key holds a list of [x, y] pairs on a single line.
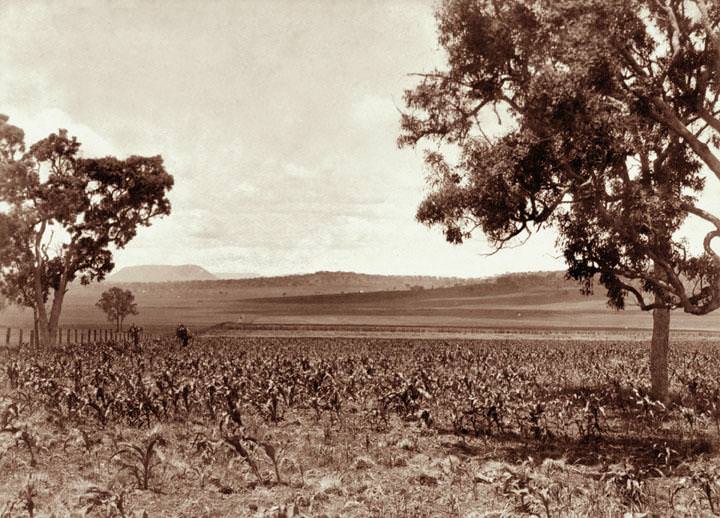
{"points": [[278, 120]]}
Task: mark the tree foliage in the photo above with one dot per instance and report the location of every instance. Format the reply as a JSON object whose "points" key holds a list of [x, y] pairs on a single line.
{"points": [[610, 116], [62, 213], [117, 304]]}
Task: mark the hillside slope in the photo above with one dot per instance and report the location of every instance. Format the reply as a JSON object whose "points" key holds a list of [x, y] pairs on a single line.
{"points": [[527, 300]]}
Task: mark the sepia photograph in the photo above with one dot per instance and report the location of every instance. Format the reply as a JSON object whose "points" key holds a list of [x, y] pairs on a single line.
{"points": [[359, 258]]}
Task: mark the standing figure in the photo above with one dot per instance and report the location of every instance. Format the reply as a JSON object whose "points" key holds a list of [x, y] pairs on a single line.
{"points": [[135, 333], [183, 335]]}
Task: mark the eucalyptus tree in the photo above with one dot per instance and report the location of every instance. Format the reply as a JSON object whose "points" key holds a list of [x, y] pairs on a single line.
{"points": [[610, 132], [61, 213]]}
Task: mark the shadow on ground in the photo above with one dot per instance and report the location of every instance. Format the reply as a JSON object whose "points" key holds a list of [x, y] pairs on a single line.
{"points": [[653, 438]]}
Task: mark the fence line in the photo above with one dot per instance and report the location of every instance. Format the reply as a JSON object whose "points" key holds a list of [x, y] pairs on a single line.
{"points": [[78, 335]]}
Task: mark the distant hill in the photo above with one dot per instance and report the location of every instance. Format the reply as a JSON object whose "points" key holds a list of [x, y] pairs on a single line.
{"points": [[236, 275], [308, 283], [162, 273], [317, 280], [329, 282], [521, 288]]}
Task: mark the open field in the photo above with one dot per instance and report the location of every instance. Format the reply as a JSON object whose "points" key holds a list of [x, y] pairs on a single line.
{"points": [[271, 330], [533, 302], [358, 427]]}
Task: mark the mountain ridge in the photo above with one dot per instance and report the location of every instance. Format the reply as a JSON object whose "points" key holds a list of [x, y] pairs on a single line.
{"points": [[318, 278], [161, 273]]}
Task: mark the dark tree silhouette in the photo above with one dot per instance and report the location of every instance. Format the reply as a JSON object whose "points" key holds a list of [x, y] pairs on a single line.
{"points": [[610, 115], [60, 214], [117, 304]]}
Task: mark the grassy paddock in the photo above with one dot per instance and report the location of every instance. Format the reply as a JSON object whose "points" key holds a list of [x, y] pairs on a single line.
{"points": [[258, 426]]}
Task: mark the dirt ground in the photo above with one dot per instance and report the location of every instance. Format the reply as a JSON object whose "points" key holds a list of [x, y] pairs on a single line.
{"points": [[325, 469]]}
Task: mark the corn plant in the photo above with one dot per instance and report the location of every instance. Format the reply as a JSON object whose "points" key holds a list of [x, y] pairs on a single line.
{"points": [[140, 459], [241, 446], [517, 485], [8, 416], [26, 497], [707, 481], [26, 438], [13, 374], [628, 481], [104, 501], [274, 455]]}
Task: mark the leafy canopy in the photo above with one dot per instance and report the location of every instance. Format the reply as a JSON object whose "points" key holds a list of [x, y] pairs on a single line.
{"points": [[117, 304], [60, 213], [609, 110]]}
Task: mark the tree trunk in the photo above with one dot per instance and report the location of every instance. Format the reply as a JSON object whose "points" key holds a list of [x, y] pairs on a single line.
{"points": [[36, 327], [43, 336], [659, 354], [41, 318], [58, 298]]}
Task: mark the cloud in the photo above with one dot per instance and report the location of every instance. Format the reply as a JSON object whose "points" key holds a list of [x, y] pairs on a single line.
{"points": [[39, 124], [372, 112], [278, 121], [297, 171]]}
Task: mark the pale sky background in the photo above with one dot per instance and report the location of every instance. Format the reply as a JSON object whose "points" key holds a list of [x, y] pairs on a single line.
{"points": [[278, 120]]}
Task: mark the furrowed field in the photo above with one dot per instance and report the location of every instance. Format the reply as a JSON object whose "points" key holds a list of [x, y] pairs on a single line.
{"points": [[357, 427]]}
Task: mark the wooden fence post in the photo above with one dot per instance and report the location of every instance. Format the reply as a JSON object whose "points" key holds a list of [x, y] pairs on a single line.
{"points": [[32, 338], [20, 337], [7, 336], [95, 335], [76, 335]]}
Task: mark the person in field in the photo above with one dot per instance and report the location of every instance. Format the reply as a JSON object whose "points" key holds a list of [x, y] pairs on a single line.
{"points": [[183, 335], [135, 333]]}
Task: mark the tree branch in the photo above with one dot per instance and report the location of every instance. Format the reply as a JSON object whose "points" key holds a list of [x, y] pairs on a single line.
{"points": [[667, 116], [638, 296], [705, 20]]}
